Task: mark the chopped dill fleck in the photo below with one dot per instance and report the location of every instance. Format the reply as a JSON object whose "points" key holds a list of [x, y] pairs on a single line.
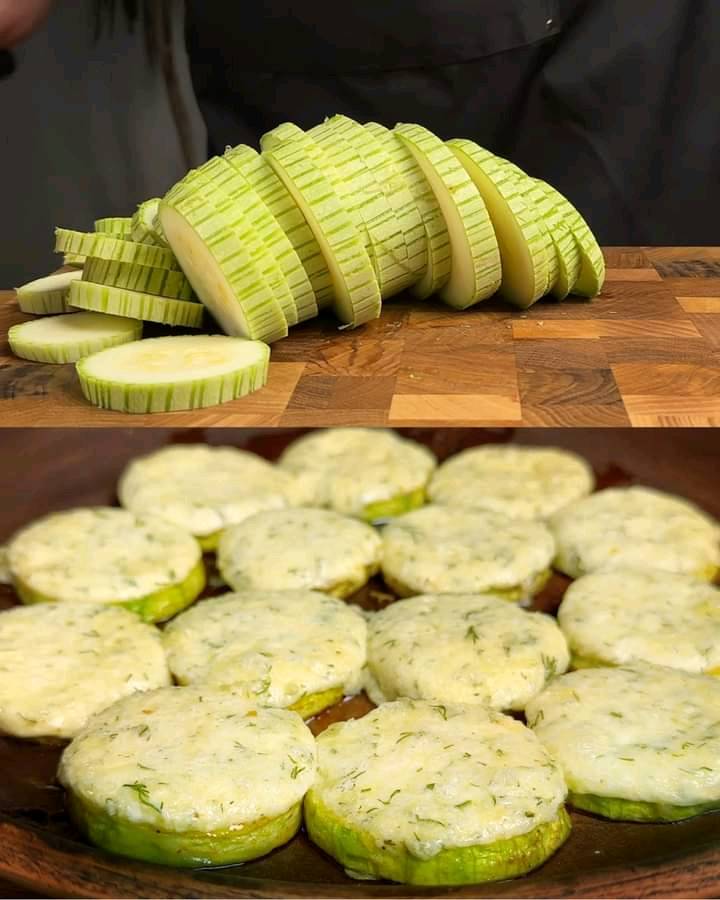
{"points": [[463, 804], [472, 635], [143, 795]]}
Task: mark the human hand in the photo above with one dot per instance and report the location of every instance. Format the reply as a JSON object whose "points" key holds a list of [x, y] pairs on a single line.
{"points": [[19, 18]]}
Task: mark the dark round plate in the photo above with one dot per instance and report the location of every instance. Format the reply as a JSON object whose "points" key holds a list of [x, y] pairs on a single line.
{"points": [[39, 849]]}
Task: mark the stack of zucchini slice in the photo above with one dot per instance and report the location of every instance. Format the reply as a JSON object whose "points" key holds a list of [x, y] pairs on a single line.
{"points": [[343, 216]]}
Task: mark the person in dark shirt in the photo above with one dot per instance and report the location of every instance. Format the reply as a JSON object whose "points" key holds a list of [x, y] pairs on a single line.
{"points": [[612, 101]]}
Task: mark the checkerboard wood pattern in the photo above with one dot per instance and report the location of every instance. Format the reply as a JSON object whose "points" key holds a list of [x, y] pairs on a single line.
{"points": [[647, 352]]}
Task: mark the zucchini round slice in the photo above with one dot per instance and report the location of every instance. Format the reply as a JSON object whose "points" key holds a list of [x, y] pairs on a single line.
{"points": [[369, 473], [300, 165], [475, 272], [166, 374], [143, 279], [362, 856], [435, 794], [106, 555], [352, 171], [591, 277], [237, 201], [639, 743], [632, 616], [218, 252], [203, 488], [638, 811], [464, 648], [114, 301], [299, 549], [245, 160], [428, 243], [61, 663], [441, 550], [636, 528], [523, 246], [291, 221], [107, 246], [119, 226], [68, 338], [142, 224], [187, 776], [301, 650], [47, 296]]}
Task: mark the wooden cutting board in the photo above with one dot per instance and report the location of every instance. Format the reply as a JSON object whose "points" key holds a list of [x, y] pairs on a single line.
{"points": [[643, 353]]}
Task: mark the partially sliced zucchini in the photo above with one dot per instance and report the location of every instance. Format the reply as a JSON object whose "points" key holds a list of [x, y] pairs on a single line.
{"points": [[172, 373], [135, 305], [277, 242], [590, 281], [222, 259], [106, 246], [162, 282], [434, 254], [142, 224], [120, 226], [47, 296], [67, 338], [299, 164], [289, 217], [352, 171], [523, 246], [475, 272]]}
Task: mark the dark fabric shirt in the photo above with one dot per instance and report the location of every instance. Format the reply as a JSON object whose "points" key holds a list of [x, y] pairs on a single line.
{"points": [[613, 101]]}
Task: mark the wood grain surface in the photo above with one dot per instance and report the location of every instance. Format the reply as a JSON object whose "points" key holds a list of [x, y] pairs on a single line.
{"points": [[646, 352], [48, 469]]}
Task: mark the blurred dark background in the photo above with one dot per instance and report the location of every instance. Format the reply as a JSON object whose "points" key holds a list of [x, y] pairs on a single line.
{"points": [[613, 101]]}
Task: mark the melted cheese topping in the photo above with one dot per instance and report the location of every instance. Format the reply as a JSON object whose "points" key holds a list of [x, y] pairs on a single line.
{"points": [[274, 647], [463, 648], [59, 664], [101, 555], [201, 488], [650, 733], [442, 550], [347, 469], [190, 759], [636, 527], [300, 549], [436, 777], [627, 616], [519, 482]]}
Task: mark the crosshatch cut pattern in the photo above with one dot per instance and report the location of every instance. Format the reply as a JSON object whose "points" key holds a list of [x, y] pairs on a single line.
{"points": [[645, 353]]}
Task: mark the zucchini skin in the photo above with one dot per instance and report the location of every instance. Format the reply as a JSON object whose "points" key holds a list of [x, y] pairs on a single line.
{"points": [[155, 607], [395, 506], [638, 810], [512, 595], [186, 849], [361, 856]]}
